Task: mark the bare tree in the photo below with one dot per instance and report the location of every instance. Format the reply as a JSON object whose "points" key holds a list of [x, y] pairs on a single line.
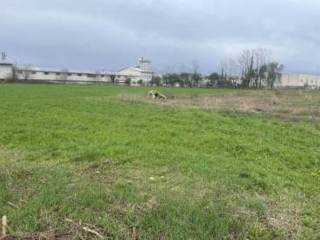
{"points": [[128, 81], [3, 56], [113, 78], [64, 75], [261, 57], [156, 81], [196, 77], [222, 73], [227, 66], [246, 63], [26, 71], [251, 62], [167, 73], [274, 73], [14, 76], [98, 75], [227, 69]]}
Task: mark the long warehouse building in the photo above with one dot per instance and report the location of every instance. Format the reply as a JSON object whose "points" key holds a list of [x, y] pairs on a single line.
{"points": [[142, 73]]}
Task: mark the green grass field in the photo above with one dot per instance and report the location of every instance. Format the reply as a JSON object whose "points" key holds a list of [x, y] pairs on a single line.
{"points": [[76, 157]]}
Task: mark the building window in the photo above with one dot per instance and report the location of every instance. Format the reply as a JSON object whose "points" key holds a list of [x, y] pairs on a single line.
{"points": [[33, 72], [79, 74], [69, 74], [46, 73], [57, 73], [91, 75]]}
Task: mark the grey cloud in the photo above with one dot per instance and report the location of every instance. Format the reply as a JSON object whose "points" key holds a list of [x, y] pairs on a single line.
{"points": [[112, 34]]}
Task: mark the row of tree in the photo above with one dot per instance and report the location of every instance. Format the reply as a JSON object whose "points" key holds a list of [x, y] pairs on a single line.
{"points": [[185, 79], [252, 68], [257, 70]]}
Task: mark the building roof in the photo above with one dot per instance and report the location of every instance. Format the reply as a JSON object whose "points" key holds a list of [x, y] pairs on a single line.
{"points": [[5, 64], [37, 69], [136, 68]]}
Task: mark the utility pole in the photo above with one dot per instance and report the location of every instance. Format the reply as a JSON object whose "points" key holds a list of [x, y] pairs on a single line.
{"points": [[3, 56]]}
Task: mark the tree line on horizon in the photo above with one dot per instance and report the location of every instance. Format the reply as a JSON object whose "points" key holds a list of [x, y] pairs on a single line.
{"points": [[251, 69]]}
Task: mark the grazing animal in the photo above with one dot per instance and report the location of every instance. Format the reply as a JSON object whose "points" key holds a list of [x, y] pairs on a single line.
{"points": [[157, 95], [151, 94]]}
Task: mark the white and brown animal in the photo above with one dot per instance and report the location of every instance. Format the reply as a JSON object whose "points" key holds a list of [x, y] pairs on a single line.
{"points": [[157, 95]]}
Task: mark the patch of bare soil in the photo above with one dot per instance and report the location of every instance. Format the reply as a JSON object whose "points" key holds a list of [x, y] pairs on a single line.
{"points": [[6, 154], [77, 230], [42, 236], [285, 214], [281, 213], [286, 104]]}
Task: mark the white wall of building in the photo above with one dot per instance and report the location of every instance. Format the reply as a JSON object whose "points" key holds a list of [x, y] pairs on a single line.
{"points": [[142, 72], [5, 71], [299, 80], [134, 74], [57, 76]]}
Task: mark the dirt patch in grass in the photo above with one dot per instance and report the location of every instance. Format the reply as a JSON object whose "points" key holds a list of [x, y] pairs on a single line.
{"points": [[7, 155], [42, 236], [280, 213], [293, 105], [286, 216], [77, 230]]}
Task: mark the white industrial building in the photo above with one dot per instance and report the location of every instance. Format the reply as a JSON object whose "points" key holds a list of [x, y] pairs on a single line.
{"points": [[142, 73], [299, 81], [28, 73], [5, 71], [61, 76]]}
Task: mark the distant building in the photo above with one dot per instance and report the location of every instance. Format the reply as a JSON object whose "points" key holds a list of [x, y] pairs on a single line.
{"points": [[299, 81], [138, 74], [6, 70], [29, 73], [141, 73]]}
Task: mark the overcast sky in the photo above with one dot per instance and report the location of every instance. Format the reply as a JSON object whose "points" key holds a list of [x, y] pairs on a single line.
{"points": [[105, 34]]}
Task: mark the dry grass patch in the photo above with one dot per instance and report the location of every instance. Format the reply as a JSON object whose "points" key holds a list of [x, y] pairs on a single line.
{"points": [[290, 104]]}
